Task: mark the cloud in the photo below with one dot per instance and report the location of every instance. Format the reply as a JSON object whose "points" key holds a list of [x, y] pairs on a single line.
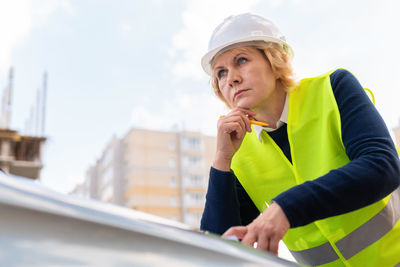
{"points": [[125, 30], [15, 24], [184, 112], [18, 18], [47, 7], [200, 112], [365, 44], [144, 117], [198, 21]]}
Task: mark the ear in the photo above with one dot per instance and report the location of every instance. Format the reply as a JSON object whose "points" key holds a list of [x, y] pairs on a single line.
{"points": [[279, 84], [277, 76]]}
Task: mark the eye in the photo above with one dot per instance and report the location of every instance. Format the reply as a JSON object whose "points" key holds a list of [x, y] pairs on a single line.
{"points": [[221, 74], [242, 60]]}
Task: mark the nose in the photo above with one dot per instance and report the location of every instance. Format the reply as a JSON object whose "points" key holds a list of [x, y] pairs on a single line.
{"points": [[234, 78]]}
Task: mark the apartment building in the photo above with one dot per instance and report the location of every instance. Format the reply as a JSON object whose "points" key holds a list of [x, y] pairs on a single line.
{"points": [[103, 180], [158, 172]]}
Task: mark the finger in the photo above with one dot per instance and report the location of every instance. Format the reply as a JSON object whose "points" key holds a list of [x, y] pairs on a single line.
{"points": [[234, 117], [263, 242], [248, 112], [245, 112], [238, 231], [242, 118], [234, 128], [241, 130], [273, 245], [248, 124], [249, 239], [245, 120], [247, 115]]}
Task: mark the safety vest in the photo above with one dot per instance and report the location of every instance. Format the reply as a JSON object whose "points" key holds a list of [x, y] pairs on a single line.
{"points": [[369, 236]]}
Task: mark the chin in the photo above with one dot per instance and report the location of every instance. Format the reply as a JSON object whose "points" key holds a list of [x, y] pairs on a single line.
{"points": [[244, 105]]}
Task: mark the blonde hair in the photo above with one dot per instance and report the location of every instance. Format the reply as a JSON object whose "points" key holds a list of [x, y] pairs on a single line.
{"points": [[279, 61]]}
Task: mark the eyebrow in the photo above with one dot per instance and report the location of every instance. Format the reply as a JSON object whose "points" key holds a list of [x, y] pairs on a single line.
{"points": [[239, 54]]}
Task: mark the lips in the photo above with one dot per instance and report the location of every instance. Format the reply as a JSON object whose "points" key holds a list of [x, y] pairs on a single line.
{"points": [[239, 92]]}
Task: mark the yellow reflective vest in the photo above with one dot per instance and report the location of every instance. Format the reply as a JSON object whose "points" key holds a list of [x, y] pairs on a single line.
{"points": [[369, 236]]}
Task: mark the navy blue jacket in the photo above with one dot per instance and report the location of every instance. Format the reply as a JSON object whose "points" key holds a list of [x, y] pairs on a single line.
{"points": [[372, 173]]}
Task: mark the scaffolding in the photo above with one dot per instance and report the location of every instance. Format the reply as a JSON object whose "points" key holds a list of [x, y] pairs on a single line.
{"points": [[21, 155]]}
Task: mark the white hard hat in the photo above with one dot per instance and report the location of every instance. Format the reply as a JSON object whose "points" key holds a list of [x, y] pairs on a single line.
{"points": [[243, 29]]}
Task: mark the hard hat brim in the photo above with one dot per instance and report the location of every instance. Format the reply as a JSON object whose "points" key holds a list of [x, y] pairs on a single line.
{"points": [[206, 60]]}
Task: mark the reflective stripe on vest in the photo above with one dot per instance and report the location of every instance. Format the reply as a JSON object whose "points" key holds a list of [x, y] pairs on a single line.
{"points": [[365, 235]]}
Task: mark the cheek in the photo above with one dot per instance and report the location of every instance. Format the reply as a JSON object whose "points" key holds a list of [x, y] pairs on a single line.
{"points": [[269, 80], [224, 93], [222, 89]]}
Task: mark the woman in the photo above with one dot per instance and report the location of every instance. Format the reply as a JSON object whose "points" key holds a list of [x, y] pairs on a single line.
{"points": [[322, 176]]}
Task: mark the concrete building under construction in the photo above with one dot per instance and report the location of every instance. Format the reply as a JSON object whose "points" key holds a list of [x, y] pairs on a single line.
{"points": [[21, 155]]}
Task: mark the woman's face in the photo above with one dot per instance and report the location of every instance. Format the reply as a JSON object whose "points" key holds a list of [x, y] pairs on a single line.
{"points": [[245, 78]]}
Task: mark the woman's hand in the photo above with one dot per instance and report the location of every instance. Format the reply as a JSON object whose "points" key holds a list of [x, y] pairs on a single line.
{"points": [[267, 230], [231, 130]]}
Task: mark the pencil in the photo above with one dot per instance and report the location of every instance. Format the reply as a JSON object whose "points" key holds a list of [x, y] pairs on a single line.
{"points": [[259, 123], [254, 122]]}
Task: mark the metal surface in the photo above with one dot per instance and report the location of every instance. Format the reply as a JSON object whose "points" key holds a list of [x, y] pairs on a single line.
{"points": [[39, 227]]}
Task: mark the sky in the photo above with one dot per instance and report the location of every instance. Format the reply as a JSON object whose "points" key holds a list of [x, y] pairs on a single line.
{"points": [[114, 65]]}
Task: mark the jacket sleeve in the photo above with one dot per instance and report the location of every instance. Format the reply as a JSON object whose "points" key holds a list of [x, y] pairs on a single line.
{"points": [[372, 173], [227, 203]]}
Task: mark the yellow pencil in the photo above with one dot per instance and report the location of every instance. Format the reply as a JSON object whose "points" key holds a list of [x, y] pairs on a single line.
{"points": [[259, 123], [254, 122]]}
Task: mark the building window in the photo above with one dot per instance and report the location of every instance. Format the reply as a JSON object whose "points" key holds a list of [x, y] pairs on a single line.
{"points": [[172, 181], [192, 161], [192, 143], [171, 163], [107, 176], [195, 179], [173, 201], [171, 145], [108, 155], [197, 196]]}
